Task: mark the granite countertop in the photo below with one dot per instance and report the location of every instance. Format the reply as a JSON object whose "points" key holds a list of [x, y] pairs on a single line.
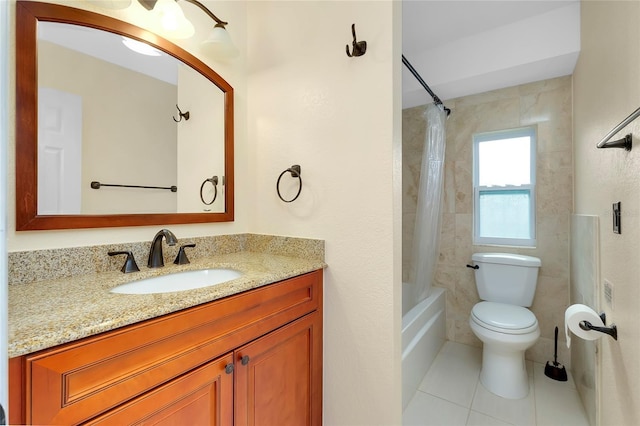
{"points": [[48, 313]]}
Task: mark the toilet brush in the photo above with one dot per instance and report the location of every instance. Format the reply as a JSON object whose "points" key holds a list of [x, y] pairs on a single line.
{"points": [[555, 370]]}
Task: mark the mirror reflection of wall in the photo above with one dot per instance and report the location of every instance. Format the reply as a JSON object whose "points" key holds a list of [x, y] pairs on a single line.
{"points": [[127, 132], [195, 143]]}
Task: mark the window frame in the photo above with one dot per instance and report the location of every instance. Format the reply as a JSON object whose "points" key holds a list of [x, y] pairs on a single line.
{"points": [[478, 138]]}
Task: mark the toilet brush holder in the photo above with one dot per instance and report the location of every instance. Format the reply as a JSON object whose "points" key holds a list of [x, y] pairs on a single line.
{"points": [[554, 370]]}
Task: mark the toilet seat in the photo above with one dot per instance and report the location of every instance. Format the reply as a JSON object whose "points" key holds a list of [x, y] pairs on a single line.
{"points": [[504, 318]]}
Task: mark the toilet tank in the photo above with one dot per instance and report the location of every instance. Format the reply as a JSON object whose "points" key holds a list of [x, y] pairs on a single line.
{"points": [[506, 278]]}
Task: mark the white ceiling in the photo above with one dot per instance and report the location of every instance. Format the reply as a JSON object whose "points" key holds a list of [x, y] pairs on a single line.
{"points": [[473, 46]]}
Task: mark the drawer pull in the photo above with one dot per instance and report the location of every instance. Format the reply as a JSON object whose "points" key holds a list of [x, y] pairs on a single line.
{"points": [[245, 360], [228, 368]]}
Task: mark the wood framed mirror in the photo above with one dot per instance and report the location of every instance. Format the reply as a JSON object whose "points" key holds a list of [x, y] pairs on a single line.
{"points": [[191, 168]]}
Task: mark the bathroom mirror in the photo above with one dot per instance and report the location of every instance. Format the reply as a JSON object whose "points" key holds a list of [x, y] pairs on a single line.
{"points": [[133, 128]]}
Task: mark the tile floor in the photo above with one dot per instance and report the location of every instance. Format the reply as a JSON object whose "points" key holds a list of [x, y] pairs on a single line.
{"points": [[451, 394]]}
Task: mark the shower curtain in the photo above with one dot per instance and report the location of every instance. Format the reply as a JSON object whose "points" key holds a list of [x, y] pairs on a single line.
{"points": [[426, 236]]}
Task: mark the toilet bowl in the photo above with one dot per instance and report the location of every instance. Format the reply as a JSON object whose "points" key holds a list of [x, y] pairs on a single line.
{"points": [[506, 284], [506, 332]]}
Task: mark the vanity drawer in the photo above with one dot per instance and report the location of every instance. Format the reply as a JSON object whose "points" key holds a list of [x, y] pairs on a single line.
{"points": [[75, 382]]}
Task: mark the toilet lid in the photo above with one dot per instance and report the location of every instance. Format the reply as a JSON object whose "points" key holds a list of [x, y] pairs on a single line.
{"points": [[504, 318]]}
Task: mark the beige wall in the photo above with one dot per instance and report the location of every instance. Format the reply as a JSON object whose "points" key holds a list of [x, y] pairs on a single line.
{"points": [[546, 105], [339, 118], [606, 90]]}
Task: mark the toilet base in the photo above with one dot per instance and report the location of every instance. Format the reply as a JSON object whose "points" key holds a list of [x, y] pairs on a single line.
{"points": [[504, 373]]}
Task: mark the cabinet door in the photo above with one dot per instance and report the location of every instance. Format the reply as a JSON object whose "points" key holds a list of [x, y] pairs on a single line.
{"points": [[201, 397], [279, 376]]}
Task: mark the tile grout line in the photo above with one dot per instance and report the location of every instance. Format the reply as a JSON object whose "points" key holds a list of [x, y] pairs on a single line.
{"points": [[533, 389], [475, 391], [443, 399]]}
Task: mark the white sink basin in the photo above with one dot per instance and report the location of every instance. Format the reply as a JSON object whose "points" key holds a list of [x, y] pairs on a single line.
{"points": [[180, 281]]}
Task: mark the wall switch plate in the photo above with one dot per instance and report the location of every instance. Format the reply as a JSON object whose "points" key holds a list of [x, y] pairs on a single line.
{"points": [[617, 218], [608, 293]]}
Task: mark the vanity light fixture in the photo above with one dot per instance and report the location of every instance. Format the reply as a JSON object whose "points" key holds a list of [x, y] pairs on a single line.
{"points": [[219, 43], [177, 25], [171, 18]]}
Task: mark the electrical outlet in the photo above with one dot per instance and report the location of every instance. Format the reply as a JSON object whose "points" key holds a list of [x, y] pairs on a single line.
{"points": [[608, 293]]}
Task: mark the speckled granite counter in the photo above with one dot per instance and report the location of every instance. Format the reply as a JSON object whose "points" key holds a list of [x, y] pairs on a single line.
{"points": [[48, 313]]}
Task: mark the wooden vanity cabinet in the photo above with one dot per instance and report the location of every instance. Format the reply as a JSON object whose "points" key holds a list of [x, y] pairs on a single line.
{"points": [[249, 359], [203, 396]]}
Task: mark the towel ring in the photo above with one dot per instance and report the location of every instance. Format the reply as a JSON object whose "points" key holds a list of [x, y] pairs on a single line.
{"points": [[295, 172], [214, 182]]}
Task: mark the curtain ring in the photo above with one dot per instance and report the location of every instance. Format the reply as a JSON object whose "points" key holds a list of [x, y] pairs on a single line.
{"points": [[295, 172], [214, 182]]}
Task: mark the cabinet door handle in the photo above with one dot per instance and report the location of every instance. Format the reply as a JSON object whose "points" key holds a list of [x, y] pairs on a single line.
{"points": [[245, 360], [228, 368]]}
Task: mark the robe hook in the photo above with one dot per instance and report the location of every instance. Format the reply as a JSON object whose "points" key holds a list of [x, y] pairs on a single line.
{"points": [[181, 114], [359, 47]]}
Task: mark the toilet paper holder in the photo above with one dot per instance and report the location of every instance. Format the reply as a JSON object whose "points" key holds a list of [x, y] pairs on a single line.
{"points": [[611, 331]]}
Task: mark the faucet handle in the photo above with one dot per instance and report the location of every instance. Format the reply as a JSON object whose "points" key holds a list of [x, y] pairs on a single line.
{"points": [[130, 264], [181, 258]]}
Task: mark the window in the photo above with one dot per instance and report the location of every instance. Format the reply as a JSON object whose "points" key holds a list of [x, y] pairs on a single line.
{"points": [[504, 183]]}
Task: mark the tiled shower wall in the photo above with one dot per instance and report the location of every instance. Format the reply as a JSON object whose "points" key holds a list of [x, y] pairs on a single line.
{"points": [[547, 105], [585, 274]]}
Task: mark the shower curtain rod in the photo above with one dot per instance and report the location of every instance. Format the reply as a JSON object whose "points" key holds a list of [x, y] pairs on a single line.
{"points": [[415, 73]]}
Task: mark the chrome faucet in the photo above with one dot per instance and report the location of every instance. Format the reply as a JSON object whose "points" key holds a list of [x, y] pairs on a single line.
{"points": [[156, 259]]}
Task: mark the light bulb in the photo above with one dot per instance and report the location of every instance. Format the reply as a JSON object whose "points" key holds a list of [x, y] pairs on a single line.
{"points": [[172, 19]]}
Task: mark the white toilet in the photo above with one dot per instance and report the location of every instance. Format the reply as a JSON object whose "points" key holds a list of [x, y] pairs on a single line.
{"points": [[506, 283]]}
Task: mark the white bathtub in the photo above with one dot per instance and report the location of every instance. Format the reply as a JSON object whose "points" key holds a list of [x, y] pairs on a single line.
{"points": [[423, 334]]}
